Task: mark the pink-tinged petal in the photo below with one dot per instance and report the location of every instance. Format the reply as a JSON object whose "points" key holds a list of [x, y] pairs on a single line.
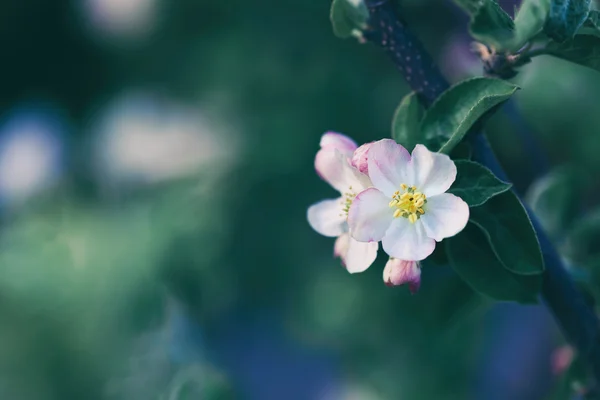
{"points": [[331, 165], [335, 168], [407, 241], [356, 180], [369, 216], [359, 256], [562, 359], [399, 272], [341, 245], [360, 158], [327, 218], [387, 163], [338, 141], [432, 173], [445, 216]]}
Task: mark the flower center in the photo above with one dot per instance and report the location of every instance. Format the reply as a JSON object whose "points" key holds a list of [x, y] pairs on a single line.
{"points": [[408, 203], [347, 199]]}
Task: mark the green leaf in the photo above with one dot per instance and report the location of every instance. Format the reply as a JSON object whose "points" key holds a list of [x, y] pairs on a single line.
{"points": [[583, 50], [458, 108], [565, 18], [555, 199], [346, 17], [491, 25], [405, 124], [476, 184], [509, 231], [529, 21], [475, 262]]}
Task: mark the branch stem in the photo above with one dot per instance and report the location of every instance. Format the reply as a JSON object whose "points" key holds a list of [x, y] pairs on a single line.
{"points": [[575, 317]]}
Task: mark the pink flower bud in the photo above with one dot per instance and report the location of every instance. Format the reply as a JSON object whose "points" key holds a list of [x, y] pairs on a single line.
{"points": [[562, 359], [398, 272], [360, 158]]}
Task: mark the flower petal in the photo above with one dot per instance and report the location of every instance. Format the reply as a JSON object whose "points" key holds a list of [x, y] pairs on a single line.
{"points": [[334, 168], [369, 216], [360, 158], [359, 256], [387, 164], [445, 216], [331, 166], [407, 241], [327, 218], [356, 180], [432, 173], [338, 141], [341, 245], [398, 272]]}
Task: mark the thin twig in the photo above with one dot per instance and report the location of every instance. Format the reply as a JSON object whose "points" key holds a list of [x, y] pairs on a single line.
{"points": [[542, 51], [576, 318]]}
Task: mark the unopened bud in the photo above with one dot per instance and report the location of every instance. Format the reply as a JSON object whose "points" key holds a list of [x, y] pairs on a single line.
{"points": [[399, 272]]}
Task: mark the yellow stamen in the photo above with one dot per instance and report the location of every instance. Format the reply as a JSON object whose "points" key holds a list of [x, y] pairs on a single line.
{"points": [[348, 199], [408, 203]]}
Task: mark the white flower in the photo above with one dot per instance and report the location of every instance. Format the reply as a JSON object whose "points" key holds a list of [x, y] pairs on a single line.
{"points": [[329, 217], [398, 272], [407, 209]]}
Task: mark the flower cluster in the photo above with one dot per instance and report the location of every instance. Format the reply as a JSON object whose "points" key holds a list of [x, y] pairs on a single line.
{"points": [[390, 196]]}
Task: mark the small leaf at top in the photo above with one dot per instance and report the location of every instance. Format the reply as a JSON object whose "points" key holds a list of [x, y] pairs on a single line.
{"points": [[476, 184], [510, 233], [458, 108], [529, 21], [565, 18], [491, 25], [475, 262], [405, 124], [582, 49], [346, 17]]}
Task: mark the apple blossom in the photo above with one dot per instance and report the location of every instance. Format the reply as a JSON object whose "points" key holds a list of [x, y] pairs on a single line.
{"points": [[398, 272], [407, 209], [329, 217]]}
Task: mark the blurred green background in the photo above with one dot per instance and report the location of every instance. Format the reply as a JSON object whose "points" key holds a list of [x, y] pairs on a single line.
{"points": [[156, 163]]}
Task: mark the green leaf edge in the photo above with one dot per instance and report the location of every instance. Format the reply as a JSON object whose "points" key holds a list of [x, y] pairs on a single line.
{"points": [[447, 92], [476, 14], [489, 240], [534, 299], [507, 185], [403, 104]]}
